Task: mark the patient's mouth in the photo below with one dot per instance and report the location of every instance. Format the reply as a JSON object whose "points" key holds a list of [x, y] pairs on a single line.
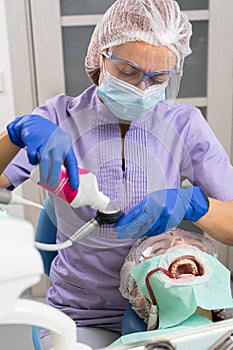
{"points": [[184, 267]]}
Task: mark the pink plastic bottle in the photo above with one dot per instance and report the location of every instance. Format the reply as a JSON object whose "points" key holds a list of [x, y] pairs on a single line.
{"points": [[87, 194]]}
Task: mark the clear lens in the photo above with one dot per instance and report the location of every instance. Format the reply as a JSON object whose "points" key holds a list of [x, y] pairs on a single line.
{"points": [[174, 83], [126, 72], [158, 245]]}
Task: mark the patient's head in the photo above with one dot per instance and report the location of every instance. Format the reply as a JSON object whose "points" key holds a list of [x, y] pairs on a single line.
{"points": [[180, 262]]}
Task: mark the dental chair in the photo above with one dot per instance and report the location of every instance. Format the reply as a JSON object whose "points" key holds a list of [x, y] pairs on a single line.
{"points": [[46, 232]]}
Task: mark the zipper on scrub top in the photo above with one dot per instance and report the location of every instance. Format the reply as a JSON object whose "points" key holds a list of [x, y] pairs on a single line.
{"points": [[123, 170], [124, 176]]}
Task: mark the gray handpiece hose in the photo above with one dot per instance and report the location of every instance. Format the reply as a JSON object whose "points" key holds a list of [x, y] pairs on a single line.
{"points": [[77, 236], [8, 197]]}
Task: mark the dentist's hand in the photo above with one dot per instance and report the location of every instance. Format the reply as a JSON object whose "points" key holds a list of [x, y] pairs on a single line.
{"points": [[162, 210], [48, 145]]}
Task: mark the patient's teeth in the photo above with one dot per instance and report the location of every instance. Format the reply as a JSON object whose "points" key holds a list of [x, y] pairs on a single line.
{"points": [[185, 266]]}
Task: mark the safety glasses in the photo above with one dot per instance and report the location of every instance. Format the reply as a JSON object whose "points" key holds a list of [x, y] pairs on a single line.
{"points": [[133, 74]]}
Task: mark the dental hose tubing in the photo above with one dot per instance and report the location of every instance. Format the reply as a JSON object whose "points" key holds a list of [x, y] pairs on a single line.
{"points": [[78, 235], [8, 197]]}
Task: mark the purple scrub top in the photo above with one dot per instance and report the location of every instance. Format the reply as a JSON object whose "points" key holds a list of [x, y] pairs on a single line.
{"points": [[169, 145]]}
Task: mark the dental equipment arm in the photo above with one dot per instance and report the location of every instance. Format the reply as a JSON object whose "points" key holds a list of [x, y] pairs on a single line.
{"points": [[62, 328], [8, 197], [23, 268]]}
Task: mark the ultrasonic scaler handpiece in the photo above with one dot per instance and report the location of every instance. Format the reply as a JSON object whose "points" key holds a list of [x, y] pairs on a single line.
{"points": [[110, 215]]}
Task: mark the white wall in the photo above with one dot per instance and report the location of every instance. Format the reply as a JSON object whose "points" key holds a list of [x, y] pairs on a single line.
{"points": [[7, 111], [19, 96], [7, 107]]}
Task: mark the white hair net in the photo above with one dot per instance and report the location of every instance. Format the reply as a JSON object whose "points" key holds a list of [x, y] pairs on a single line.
{"points": [[156, 22]]}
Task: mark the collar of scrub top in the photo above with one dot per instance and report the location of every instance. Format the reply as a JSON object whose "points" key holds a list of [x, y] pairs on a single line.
{"points": [[147, 77]]}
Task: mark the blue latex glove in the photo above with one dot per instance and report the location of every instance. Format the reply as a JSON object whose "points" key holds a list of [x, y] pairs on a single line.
{"points": [[162, 210], [48, 145]]}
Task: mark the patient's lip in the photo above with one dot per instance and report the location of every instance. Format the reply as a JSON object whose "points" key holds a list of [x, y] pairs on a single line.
{"points": [[185, 267]]}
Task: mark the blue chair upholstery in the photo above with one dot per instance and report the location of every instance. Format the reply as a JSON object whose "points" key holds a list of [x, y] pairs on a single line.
{"points": [[46, 232], [131, 322]]}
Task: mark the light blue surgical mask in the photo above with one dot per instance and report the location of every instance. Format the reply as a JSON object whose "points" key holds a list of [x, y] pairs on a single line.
{"points": [[128, 102]]}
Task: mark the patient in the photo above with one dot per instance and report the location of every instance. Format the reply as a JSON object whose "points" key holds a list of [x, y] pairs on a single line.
{"points": [[174, 280]]}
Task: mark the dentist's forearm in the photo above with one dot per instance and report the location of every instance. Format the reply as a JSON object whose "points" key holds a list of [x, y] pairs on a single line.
{"points": [[7, 150], [218, 221]]}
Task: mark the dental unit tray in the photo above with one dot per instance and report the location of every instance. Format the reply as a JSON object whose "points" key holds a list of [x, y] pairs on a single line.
{"points": [[215, 336]]}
